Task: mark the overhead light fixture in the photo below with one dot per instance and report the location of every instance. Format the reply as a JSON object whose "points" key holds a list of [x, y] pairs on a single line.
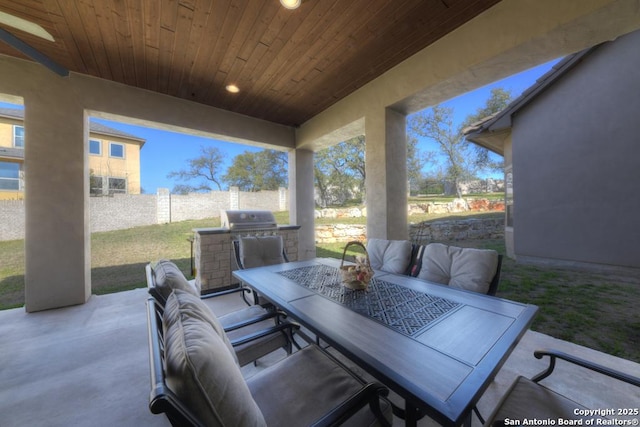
{"points": [[26, 26], [291, 4], [232, 88]]}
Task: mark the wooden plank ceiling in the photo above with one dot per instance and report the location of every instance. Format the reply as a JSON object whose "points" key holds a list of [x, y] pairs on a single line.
{"points": [[289, 65]]}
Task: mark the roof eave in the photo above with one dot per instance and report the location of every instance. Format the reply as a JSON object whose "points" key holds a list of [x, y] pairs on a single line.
{"points": [[503, 119]]}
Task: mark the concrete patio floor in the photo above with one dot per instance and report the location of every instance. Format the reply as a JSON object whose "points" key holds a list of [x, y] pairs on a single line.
{"points": [[88, 365]]}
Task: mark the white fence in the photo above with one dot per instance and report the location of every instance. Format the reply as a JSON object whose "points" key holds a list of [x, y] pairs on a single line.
{"points": [[122, 211]]}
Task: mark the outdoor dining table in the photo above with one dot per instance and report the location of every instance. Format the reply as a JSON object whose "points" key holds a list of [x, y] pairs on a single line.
{"points": [[437, 347]]}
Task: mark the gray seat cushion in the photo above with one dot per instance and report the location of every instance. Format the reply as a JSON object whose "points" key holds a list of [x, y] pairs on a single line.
{"points": [[258, 251], [251, 351], [168, 277], [464, 268], [305, 386], [528, 400], [200, 366], [392, 256]]}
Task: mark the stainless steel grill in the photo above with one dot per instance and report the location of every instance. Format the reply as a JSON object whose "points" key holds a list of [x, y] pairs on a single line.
{"points": [[248, 220]]}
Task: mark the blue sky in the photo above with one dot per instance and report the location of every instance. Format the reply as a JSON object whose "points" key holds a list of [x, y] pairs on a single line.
{"points": [[166, 151], [468, 103]]}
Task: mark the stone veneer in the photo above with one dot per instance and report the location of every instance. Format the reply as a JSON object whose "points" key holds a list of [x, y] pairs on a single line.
{"points": [[214, 261], [424, 232]]}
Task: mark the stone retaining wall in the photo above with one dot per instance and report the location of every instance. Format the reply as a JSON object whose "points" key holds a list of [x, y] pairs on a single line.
{"points": [[425, 232], [455, 206], [459, 229]]}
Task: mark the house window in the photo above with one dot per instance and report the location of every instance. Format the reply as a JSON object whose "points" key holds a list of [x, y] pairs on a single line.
{"points": [[95, 185], [95, 147], [18, 136], [117, 185], [9, 176], [509, 195], [116, 150]]}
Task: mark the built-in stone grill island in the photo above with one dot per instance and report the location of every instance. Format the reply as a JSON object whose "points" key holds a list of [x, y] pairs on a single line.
{"points": [[214, 260]]}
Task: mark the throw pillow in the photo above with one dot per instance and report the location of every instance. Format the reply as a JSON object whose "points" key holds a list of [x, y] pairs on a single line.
{"points": [[201, 370], [392, 256]]}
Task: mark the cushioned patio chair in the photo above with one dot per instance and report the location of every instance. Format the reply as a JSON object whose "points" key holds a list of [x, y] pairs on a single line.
{"points": [[530, 400], [258, 251], [254, 331], [471, 269], [196, 380]]}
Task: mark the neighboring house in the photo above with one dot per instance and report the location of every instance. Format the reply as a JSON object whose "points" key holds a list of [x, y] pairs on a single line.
{"points": [[114, 158], [572, 161]]}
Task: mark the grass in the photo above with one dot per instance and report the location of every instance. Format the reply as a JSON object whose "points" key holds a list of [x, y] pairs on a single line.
{"points": [[437, 198], [595, 310]]}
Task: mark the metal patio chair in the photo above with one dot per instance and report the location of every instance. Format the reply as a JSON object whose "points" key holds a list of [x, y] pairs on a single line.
{"points": [[528, 399], [254, 331], [258, 251], [195, 380]]}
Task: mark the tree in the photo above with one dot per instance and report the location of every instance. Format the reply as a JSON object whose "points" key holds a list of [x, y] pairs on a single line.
{"points": [[340, 172], [258, 171], [498, 101], [462, 159], [416, 160], [205, 170]]}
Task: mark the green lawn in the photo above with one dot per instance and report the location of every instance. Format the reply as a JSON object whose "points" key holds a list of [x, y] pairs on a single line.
{"points": [[595, 310]]}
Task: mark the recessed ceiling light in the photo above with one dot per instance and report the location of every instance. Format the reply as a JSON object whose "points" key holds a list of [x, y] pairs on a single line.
{"points": [[24, 25], [291, 4], [232, 88]]}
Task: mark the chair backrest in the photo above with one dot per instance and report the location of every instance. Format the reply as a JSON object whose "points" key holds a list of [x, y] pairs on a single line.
{"points": [[495, 282], [162, 399], [259, 251], [417, 251], [195, 377], [466, 268], [163, 277]]}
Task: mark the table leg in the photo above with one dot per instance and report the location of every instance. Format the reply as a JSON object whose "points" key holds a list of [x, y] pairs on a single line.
{"points": [[467, 420], [411, 414]]}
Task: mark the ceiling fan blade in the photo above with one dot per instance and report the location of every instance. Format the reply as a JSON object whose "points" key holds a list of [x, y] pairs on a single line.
{"points": [[32, 53], [24, 25]]}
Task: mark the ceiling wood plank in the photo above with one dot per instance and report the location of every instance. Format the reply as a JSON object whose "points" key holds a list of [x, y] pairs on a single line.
{"points": [[233, 63], [169, 14], [203, 14], [165, 58], [339, 47], [72, 58], [121, 18], [331, 43], [207, 54], [184, 25], [80, 36], [278, 48], [253, 51], [364, 62], [92, 21], [135, 17], [247, 20], [289, 64], [234, 13], [151, 13]]}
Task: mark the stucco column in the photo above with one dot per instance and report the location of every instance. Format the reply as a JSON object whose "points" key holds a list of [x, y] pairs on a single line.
{"points": [[301, 202], [57, 238], [386, 170]]}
